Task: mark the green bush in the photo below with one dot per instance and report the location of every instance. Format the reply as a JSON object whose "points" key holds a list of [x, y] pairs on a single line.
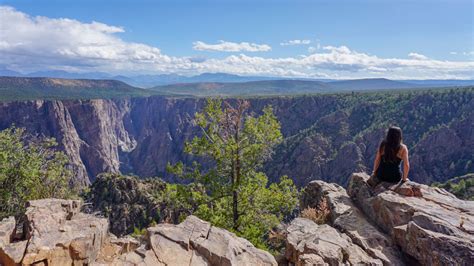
{"points": [[30, 168]]}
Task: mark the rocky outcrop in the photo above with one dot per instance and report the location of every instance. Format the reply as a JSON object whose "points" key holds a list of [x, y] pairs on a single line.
{"points": [[127, 201], [388, 224], [311, 244], [55, 232], [348, 219], [429, 224], [196, 242]]}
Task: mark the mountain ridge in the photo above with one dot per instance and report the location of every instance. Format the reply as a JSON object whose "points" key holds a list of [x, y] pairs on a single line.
{"points": [[32, 88], [153, 80]]}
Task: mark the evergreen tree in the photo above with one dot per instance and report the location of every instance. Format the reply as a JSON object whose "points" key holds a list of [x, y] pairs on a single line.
{"points": [[238, 144]]}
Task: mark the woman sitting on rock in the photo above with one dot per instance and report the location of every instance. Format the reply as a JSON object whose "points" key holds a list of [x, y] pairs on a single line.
{"points": [[390, 154]]}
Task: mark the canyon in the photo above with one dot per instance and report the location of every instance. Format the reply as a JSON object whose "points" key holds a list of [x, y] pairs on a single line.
{"points": [[327, 136]]}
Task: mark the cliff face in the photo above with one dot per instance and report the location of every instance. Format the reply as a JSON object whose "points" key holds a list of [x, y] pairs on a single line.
{"points": [[326, 137], [90, 132], [137, 136]]}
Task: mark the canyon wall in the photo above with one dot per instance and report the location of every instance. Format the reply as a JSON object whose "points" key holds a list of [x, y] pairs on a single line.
{"points": [[326, 136]]}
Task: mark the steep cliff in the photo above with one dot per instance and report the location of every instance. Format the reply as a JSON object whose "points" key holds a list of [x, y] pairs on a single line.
{"points": [[326, 136], [90, 132]]}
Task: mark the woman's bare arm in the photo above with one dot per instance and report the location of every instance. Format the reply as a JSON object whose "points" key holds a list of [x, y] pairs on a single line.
{"points": [[376, 162], [406, 163]]}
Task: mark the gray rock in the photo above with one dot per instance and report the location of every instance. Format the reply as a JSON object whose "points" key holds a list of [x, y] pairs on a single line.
{"points": [[7, 230], [12, 254], [59, 234], [429, 224], [197, 242], [348, 219], [309, 243]]}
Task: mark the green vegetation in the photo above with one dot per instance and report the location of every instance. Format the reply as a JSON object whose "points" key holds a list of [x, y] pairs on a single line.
{"points": [[133, 204], [462, 187], [237, 196], [21, 89], [30, 168], [361, 119]]}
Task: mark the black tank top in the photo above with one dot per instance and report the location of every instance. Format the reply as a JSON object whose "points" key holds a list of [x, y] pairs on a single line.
{"points": [[389, 171]]}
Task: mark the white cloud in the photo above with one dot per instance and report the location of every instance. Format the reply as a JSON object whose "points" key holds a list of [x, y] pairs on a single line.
{"points": [[224, 46], [40, 43], [34, 42], [468, 53], [295, 42], [417, 56]]}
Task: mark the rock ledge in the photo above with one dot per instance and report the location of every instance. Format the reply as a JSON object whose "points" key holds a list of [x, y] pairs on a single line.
{"points": [[57, 233]]}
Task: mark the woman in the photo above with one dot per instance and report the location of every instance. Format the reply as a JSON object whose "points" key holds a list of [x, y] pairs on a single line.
{"points": [[389, 156]]}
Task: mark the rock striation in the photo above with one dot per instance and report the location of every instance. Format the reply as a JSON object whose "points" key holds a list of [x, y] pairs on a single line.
{"points": [[327, 137], [402, 224], [56, 232]]}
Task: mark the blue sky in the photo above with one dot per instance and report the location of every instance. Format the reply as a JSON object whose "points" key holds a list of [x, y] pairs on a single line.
{"points": [[330, 39]]}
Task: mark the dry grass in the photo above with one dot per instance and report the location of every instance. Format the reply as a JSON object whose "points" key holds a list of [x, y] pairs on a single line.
{"points": [[320, 214]]}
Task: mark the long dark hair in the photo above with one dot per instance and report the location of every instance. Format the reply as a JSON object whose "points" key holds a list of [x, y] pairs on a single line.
{"points": [[391, 144]]}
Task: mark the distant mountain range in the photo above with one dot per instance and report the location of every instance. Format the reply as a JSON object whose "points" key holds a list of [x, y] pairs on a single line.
{"points": [[143, 81], [20, 88], [31, 88], [148, 81], [286, 87]]}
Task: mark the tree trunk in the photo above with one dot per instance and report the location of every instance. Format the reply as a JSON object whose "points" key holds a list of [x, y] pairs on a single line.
{"points": [[235, 210]]}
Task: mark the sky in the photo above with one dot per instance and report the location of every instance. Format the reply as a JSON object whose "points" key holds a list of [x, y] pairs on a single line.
{"points": [[337, 39]]}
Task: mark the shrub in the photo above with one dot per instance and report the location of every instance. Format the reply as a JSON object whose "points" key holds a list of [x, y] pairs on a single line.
{"points": [[320, 214], [30, 168]]}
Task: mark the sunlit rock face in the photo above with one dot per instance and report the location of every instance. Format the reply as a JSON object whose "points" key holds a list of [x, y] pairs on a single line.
{"points": [[388, 224], [56, 232]]}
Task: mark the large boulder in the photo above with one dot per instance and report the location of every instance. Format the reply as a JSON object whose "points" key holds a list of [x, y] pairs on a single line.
{"points": [[429, 224], [59, 234], [311, 244], [348, 219], [55, 232], [196, 242]]}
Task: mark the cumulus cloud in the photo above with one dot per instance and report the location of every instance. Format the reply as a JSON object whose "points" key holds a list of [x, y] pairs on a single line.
{"points": [[32, 42], [417, 56], [40, 43], [295, 42], [224, 46]]}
